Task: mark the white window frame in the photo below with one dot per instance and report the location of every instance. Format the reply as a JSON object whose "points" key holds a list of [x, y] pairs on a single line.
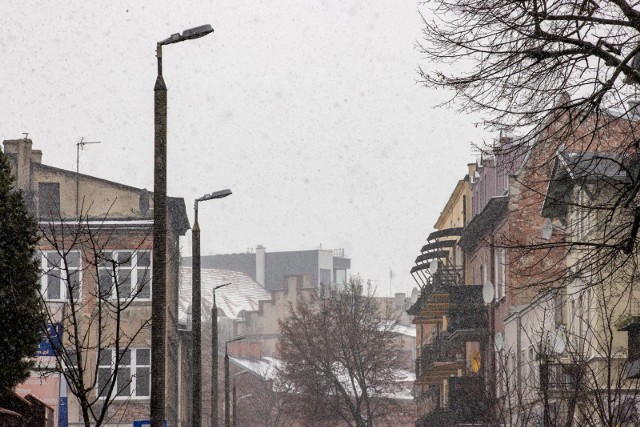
{"points": [[130, 371], [133, 272], [50, 271]]}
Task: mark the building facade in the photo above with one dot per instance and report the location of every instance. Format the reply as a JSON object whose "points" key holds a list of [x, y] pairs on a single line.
{"points": [[95, 253], [552, 328], [325, 267], [451, 322]]}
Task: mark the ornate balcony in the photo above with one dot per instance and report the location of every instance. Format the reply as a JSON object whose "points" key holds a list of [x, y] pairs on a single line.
{"points": [[467, 404], [440, 417], [468, 399], [558, 377], [439, 360], [468, 318]]}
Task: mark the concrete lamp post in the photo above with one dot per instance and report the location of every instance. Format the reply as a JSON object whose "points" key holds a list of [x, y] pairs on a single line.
{"points": [[196, 311], [214, 358], [159, 297], [227, 406]]}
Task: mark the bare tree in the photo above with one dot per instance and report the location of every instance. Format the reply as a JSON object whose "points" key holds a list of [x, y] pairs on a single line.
{"points": [[340, 356], [572, 368], [264, 401], [512, 61], [557, 77], [91, 286]]}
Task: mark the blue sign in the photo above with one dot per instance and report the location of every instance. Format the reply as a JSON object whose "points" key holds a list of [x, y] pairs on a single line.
{"points": [[51, 339], [143, 423], [62, 413]]}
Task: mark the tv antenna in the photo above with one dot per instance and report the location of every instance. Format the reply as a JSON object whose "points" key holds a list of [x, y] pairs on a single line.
{"points": [[80, 144]]}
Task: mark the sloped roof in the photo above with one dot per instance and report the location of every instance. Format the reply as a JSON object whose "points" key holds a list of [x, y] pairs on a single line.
{"points": [[267, 368], [572, 169], [243, 294]]}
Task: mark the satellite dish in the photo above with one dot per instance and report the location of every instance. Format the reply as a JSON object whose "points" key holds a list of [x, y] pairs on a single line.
{"points": [[547, 229], [433, 266], [559, 341], [488, 292], [498, 342]]}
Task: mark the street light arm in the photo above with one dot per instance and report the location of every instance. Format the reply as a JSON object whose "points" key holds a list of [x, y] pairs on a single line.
{"points": [[214, 293], [235, 339], [232, 340]]}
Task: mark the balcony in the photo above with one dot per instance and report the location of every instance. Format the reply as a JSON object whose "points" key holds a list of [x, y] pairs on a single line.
{"points": [[435, 299], [467, 404], [468, 318], [631, 324], [467, 398], [439, 360], [440, 417], [558, 377]]}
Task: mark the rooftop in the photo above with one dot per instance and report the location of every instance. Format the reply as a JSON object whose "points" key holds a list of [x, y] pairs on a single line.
{"points": [[243, 294]]}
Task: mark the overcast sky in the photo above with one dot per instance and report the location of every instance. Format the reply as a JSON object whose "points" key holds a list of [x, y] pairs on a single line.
{"points": [[310, 111]]}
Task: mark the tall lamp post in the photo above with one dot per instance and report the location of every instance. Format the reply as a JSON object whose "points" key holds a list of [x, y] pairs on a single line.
{"points": [[196, 315], [214, 358], [227, 406], [159, 297]]}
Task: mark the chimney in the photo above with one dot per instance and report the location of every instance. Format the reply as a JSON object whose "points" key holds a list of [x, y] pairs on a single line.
{"points": [[36, 156], [398, 300], [19, 152], [260, 264]]}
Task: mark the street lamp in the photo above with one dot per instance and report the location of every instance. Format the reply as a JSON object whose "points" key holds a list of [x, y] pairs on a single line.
{"points": [[196, 315], [227, 420], [214, 358], [159, 296], [233, 397]]}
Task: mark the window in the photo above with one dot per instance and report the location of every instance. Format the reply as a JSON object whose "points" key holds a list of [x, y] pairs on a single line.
{"points": [[341, 276], [49, 199], [325, 277], [559, 303], [585, 214], [501, 363], [133, 376], [532, 359], [129, 270], [325, 282], [62, 275], [444, 394], [511, 372], [501, 272]]}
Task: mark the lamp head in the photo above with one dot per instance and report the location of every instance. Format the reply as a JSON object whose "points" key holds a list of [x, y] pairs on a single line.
{"points": [[235, 339], [190, 34], [215, 195]]}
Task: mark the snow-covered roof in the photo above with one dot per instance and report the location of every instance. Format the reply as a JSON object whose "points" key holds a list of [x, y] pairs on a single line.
{"points": [[408, 330], [267, 367], [243, 294]]}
